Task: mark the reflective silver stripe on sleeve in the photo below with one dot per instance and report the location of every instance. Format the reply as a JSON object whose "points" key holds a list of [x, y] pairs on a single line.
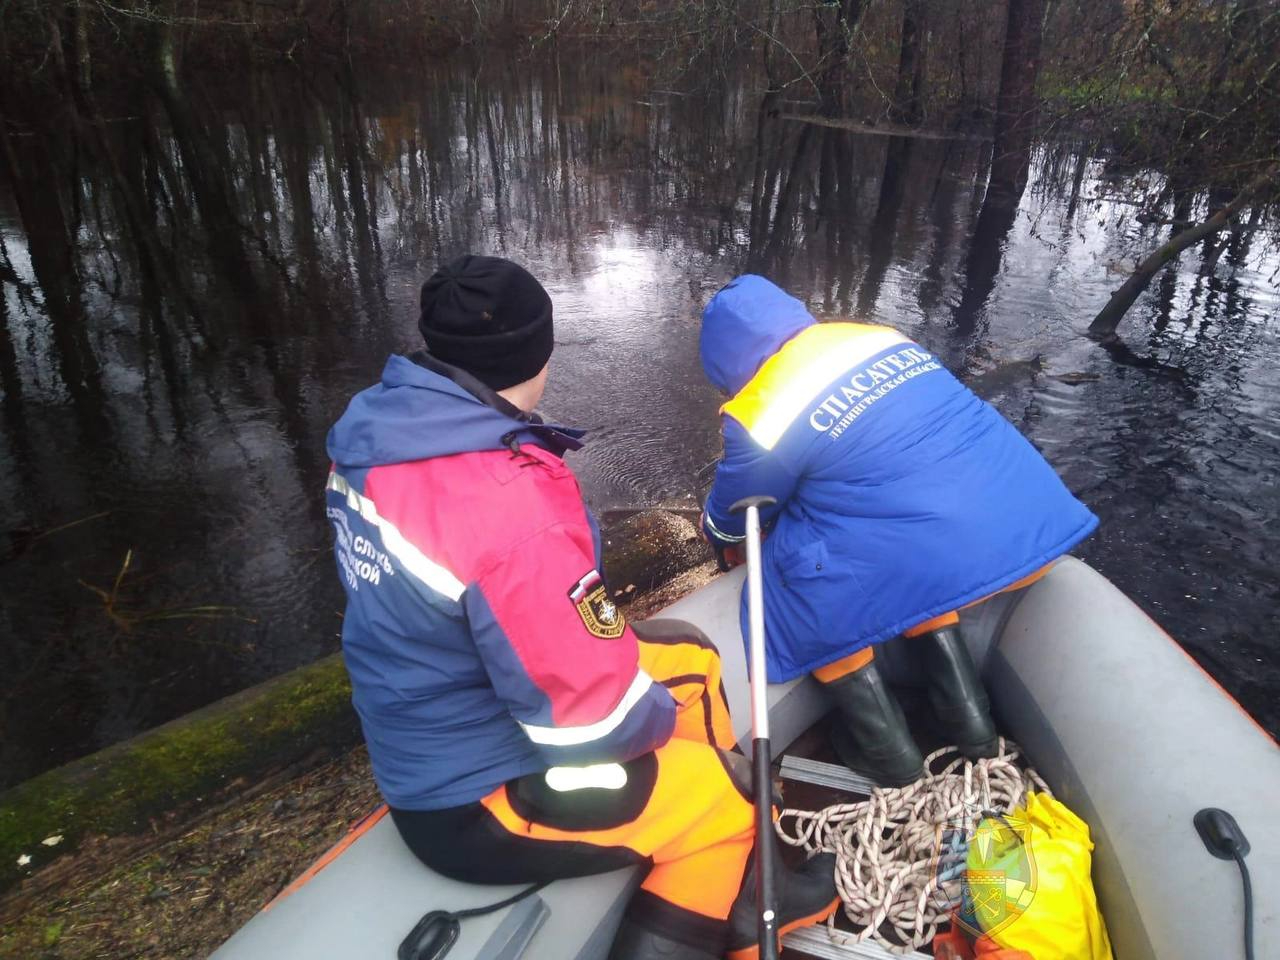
{"points": [[574, 736], [720, 534], [409, 557]]}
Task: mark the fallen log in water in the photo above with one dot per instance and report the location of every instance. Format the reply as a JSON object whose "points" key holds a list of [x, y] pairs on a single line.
{"points": [[1109, 317]]}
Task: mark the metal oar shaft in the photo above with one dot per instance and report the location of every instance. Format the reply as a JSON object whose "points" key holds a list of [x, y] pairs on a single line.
{"points": [[766, 843], [755, 618]]}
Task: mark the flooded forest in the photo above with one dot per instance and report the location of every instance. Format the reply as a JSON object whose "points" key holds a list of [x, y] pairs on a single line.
{"points": [[215, 218]]}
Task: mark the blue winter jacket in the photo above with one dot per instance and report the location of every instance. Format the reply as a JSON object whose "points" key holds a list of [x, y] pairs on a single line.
{"points": [[901, 495]]}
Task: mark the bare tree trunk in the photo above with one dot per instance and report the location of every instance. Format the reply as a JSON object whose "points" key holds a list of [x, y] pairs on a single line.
{"points": [[758, 214], [907, 107], [12, 405], [884, 225], [1010, 160], [84, 67], [982, 261], [774, 15], [1077, 180], [782, 217], [1016, 102], [56, 41], [37, 178], [351, 147], [206, 170], [1109, 317], [761, 172], [833, 52]]}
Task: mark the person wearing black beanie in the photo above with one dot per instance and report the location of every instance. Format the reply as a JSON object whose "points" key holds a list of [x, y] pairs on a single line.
{"points": [[489, 317]]}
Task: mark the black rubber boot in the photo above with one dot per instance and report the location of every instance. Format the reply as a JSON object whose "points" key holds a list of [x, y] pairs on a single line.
{"points": [[635, 942], [805, 896], [955, 692], [870, 733]]}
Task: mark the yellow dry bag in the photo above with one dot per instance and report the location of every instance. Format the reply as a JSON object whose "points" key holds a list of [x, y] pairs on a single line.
{"points": [[1027, 883]]}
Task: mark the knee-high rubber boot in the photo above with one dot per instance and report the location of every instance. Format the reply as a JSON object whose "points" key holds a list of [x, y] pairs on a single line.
{"points": [[956, 694], [806, 895], [634, 942], [870, 734]]}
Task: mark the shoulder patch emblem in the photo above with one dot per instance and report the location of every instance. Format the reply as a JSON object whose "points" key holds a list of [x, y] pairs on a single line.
{"points": [[599, 614]]}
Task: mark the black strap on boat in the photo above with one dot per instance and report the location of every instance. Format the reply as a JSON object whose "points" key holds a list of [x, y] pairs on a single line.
{"points": [[1224, 839], [434, 935], [1248, 906]]}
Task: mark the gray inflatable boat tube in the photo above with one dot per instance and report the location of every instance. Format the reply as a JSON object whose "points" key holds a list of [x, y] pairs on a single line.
{"points": [[1125, 727]]}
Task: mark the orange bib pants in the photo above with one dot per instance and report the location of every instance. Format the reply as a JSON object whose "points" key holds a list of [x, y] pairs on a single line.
{"points": [[685, 810]]}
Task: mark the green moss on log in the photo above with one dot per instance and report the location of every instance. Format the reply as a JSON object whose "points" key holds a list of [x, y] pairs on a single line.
{"points": [[120, 789]]}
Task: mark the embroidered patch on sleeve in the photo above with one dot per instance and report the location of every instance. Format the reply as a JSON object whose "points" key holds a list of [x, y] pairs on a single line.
{"points": [[599, 614]]}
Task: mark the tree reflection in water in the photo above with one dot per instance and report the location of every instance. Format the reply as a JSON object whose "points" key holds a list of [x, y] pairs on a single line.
{"points": [[197, 277]]}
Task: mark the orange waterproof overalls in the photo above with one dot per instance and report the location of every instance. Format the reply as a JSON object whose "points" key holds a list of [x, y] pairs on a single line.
{"points": [[685, 808]]}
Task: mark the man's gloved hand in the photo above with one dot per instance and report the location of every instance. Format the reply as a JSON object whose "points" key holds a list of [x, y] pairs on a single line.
{"points": [[728, 557]]}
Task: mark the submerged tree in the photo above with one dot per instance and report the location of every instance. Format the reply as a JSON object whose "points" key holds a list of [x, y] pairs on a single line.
{"points": [[1109, 317], [1016, 101], [1010, 157]]}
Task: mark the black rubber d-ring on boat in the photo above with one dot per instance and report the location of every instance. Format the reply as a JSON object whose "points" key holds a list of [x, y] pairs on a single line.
{"points": [[431, 938]]}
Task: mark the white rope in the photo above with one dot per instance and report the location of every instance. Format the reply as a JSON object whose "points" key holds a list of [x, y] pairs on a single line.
{"points": [[887, 847]]}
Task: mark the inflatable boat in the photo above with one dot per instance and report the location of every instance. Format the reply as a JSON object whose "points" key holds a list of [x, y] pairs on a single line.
{"points": [[1122, 724]]}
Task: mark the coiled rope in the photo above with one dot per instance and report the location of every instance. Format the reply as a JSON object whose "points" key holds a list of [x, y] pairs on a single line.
{"points": [[887, 847]]}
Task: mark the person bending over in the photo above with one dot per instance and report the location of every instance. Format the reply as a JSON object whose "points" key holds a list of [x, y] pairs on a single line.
{"points": [[901, 498]]}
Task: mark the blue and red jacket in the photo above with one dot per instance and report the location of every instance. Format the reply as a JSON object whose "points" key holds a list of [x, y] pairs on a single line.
{"points": [[901, 494], [479, 638]]}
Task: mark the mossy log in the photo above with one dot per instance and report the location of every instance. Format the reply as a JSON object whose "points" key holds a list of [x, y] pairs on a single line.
{"points": [[120, 789]]}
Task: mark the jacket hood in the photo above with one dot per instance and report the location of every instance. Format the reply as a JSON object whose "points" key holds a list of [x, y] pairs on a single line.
{"points": [[414, 414], [745, 324]]}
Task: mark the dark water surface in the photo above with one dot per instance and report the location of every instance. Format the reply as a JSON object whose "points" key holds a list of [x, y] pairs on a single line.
{"points": [[180, 325]]}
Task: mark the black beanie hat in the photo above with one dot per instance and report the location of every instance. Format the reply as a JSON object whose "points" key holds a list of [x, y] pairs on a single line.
{"points": [[488, 316]]}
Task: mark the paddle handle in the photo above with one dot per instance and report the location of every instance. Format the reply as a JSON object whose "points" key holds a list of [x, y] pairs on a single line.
{"points": [[766, 843], [766, 853]]}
